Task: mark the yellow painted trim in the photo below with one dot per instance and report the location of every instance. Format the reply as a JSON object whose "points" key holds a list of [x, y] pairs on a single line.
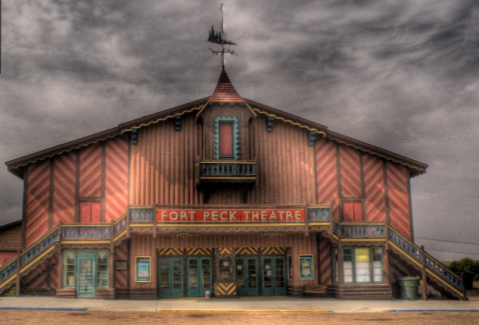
{"points": [[124, 232], [251, 109], [318, 224], [363, 224], [14, 276], [227, 162], [443, 266], [299, 264], [136, 263], [143, 207], [401, 250], [243, 311], [232, 225], [29, 247], [141, 225], [318, 206], [119, 219], [201, 111], [85, 225], [163, 119], [14, 260], [39, 257], [86, 242], [335, 236], [445, 282], [361, 239], [220, 177], [290, 122]]}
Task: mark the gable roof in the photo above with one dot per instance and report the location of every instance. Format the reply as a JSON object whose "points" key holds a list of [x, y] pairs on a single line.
{"points": [[224, 92]]}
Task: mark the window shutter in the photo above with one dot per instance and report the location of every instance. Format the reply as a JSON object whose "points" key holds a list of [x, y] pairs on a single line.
{"points": [[226, 139]]}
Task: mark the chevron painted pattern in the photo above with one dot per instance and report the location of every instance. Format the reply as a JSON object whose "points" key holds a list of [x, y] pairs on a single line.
{"points": [[116, 187], [327, 175], [64, 188], [225, 250], [37, 201], [38, 278], [54, 272], [121, 254], [375, 191], [199, 251], [170, 252], [350, 172], [225, 289], [325, 262], [247, 251], [90, 171], [398, 199], [273, 250]]}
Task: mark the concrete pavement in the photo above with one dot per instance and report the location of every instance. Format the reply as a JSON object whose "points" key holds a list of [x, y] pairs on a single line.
{"points": [[280, 304]]}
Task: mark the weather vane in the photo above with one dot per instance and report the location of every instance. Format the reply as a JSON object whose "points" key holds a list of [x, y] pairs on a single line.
{"points": [[219, 37]]}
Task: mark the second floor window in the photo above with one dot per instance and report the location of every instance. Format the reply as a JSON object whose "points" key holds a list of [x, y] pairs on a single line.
{"points": [[226, 140], [90, 212], [353, 211]]}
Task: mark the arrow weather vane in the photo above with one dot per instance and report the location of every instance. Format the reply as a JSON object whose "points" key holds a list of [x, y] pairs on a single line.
{"points": [[220, 38]]}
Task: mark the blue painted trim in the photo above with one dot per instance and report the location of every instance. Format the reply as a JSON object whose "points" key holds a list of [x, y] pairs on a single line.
{"points": [[45, 308], [233, 119], [432, 310]]}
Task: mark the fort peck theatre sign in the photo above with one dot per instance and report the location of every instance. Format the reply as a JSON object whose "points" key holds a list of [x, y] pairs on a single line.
{"points": [[230, 215]]}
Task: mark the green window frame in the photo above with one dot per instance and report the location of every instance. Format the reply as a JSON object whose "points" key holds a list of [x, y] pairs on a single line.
{"points": [[102, 263], [372, 263], [69, 268], [334, 257], [230, 120]]}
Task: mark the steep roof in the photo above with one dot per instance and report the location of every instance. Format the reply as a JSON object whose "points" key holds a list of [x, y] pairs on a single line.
{"points": [[223, 93]]}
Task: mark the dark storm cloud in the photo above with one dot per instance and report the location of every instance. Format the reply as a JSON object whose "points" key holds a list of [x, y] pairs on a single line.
{"points": [[397, 74]]}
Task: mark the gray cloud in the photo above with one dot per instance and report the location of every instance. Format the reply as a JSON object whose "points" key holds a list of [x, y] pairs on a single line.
{"points": [[401, 75]]}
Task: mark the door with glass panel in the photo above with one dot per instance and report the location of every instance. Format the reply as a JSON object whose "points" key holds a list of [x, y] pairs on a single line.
{"points": [[200, 276], [170, 277], [86, 274], [247, 276], [274, 276]]}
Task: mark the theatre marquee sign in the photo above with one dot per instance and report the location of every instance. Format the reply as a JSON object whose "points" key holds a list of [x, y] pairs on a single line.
{"points": [[229, 215]]}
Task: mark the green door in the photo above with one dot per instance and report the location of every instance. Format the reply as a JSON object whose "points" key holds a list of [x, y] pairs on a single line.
{"points": [[170, 277], [200, 277], [274, 280], [86, 276], [247, 276]]}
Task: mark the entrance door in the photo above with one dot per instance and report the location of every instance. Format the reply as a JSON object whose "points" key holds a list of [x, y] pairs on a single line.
{"points": [[200, 277], [170, 276], [247, 276], [274, 280], [86, 276]]}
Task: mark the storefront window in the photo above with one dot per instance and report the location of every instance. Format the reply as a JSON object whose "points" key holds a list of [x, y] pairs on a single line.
{"points": [[225, 269], [306, 267], [362, 265], [69, 264], [102, 269]]}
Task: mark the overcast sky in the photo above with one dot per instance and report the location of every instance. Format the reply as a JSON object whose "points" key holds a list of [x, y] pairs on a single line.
{"points": [[401, 75]]}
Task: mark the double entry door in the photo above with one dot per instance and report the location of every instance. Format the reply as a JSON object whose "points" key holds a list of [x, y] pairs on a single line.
{"points": [[272, 276], [171, 279]]}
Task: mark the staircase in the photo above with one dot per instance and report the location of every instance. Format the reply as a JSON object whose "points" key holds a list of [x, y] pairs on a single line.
{"points": [[37, 253]]}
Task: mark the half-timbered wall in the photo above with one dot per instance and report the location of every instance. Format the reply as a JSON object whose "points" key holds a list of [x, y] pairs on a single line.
{"points": [[56, 187], [344, 174]]}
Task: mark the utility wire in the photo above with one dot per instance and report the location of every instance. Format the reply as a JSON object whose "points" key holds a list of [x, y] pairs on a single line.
{"points": [[438, 250], [448, 241]]}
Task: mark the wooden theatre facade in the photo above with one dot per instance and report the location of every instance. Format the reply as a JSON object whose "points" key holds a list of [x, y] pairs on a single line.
{"points": [[222, 194]]}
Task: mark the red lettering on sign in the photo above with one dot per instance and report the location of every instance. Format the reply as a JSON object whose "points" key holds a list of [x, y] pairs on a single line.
{"points": [[230, 215]]}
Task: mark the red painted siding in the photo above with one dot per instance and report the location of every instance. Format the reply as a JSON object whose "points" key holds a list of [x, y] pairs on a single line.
{"points": [[38, 201], [325, 261], [90, 171], [90, 212], [116, 187], [374, 189], [327, 175], [399, 199], [64, 188], [350, 172], [121, 254]]}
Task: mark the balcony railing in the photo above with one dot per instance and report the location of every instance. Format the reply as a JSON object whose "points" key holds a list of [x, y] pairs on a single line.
{"points": [[93, 232], [362, 230], [142, 214], [226, 171], [320, 213]]}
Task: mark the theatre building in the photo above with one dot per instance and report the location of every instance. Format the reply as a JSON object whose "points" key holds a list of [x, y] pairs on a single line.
{"points": [[224, 195]]}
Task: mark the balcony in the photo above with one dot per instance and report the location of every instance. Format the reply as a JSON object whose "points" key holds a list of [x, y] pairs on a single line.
{"points": [[225, 171]]}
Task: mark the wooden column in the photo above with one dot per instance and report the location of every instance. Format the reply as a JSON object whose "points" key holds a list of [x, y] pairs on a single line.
{"points": [[18, 274], [128, 222], [60, 256], [340, 264], [306, 220], [424, 276]]}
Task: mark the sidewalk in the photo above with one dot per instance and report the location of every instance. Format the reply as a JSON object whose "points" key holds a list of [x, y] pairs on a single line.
{"points": [[279, 304]]}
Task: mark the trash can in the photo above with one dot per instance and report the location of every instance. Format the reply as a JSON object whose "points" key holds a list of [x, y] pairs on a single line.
{"points": [[409, 286], [207, 294]]}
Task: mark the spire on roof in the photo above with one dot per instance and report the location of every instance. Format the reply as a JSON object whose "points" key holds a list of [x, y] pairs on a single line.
{"points": [[225, 92]]}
